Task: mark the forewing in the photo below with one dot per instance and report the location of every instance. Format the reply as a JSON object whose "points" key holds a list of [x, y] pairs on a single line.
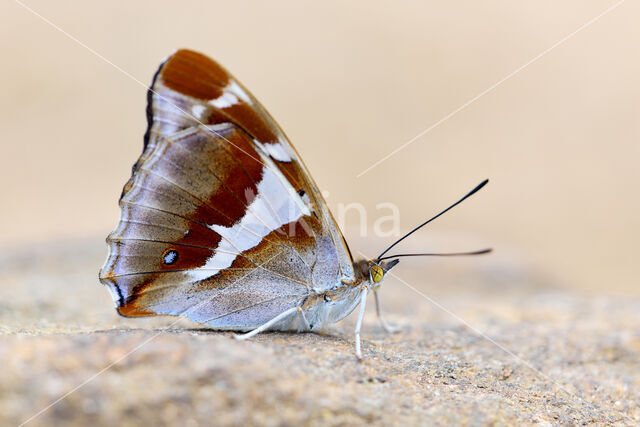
{"points": [[190, 89]]}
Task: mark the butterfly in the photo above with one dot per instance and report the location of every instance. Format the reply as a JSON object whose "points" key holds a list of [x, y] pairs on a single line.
{"points": [[221, 221]]}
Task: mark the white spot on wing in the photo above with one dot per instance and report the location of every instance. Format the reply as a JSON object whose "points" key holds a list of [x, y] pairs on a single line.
{"points": [[197, 111], [230, 95], [227, 99], [238, 91], [276, 150]]}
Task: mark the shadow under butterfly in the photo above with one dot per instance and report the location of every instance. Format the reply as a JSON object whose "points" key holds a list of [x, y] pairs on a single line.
{"points": [[221, 222]]}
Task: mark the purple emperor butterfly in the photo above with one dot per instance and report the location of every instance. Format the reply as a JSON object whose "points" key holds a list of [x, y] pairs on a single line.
{"points": [[221, 221]]}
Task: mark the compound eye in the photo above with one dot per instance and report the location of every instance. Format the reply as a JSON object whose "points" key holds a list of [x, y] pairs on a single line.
{"points": [[376, 273]]}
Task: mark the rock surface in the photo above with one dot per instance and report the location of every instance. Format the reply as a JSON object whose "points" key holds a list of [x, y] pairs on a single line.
{"points": [[470, 352]]}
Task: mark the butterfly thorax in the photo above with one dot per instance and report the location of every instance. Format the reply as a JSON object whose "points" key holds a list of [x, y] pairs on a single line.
{"points": [[334, 304], [330, 306]]}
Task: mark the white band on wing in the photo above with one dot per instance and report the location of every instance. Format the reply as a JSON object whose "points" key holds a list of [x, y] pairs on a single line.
{"points": [[261, 218]]}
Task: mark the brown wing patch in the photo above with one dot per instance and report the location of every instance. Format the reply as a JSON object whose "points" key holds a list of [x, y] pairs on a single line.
{"points": [[194, 74]]}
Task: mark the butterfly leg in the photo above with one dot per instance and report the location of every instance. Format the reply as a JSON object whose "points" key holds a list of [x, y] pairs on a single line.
{"points": [[388, 328], [305, 322], [267, 325], [363, 302]]}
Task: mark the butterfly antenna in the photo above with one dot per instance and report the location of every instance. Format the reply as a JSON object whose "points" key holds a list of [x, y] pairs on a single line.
{"points": [[469, 194], [480, 252]]}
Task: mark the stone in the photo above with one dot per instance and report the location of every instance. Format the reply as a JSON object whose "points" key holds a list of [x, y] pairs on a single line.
{"points": [[469, 352]]}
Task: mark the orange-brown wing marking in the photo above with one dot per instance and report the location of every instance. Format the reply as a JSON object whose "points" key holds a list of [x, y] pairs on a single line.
{"points": [[194, 74]]}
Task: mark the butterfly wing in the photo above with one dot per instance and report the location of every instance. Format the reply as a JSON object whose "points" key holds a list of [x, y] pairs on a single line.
{"points": [[220, 220]]}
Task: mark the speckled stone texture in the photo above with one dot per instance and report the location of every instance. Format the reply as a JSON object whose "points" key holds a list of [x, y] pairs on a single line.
{"points": [[484, 345]]}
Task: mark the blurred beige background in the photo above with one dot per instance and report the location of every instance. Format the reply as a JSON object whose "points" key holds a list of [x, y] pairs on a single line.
{"points": [[350, 82]]}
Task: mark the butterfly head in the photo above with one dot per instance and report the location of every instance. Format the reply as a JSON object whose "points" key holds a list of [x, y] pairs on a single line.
{"points": [[377, 271]]}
